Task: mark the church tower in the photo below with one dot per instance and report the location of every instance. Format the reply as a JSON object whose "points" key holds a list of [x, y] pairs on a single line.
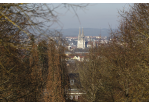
{"points": [[81, 39]]}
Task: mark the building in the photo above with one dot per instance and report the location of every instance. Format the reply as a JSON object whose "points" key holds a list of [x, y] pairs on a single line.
{"points": [[81, 40], [75, 91]]}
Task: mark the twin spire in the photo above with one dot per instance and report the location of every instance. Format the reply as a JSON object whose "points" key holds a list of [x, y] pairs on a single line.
{"points": [[81, 39], [80, 32]]}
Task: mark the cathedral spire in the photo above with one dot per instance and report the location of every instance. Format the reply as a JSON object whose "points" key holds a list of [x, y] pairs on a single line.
{"points": [[79, 32], [81, 39], [82, 32]]}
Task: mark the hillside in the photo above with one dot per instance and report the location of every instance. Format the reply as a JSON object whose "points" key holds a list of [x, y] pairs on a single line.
{"points": [[87, 32], [75, 31]]}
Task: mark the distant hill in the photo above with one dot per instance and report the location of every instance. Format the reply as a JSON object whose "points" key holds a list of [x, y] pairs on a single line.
{"points": [[87, 32], [75, 32]]}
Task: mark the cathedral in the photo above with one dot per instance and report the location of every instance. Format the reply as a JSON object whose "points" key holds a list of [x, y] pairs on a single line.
{"points": [[81, 40]]}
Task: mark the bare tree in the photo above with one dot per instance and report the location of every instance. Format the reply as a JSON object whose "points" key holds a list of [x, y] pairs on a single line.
{"points": [[23, 64]]}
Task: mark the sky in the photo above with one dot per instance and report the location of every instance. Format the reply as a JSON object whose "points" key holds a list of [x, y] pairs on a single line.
{"points": [[96, 15]]}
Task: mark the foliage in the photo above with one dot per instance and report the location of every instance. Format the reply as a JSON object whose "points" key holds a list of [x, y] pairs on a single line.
{"points": [[122, 63], [29, 63]]}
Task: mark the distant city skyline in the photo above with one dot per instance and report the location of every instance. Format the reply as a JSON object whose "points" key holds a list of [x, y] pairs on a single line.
{"points": [[96, 15]]}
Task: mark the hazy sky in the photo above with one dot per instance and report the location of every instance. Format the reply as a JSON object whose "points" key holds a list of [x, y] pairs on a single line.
{"points": [[96, 15]]}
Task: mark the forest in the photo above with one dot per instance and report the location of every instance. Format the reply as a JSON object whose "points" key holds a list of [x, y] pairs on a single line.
{"points": [[33, 66]]}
